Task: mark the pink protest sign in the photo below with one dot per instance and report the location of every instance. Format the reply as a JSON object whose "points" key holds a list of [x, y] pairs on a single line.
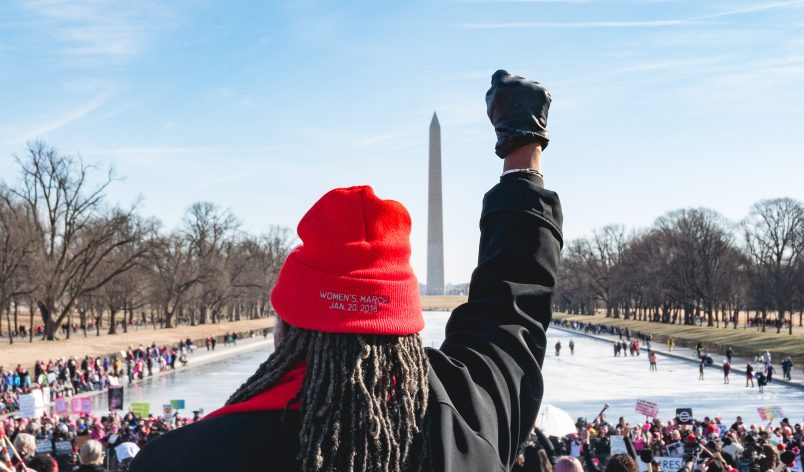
{"points": [[60, 406], [647, 408], [81, 405]]}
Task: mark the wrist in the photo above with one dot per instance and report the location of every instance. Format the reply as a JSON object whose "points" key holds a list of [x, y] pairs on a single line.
{"points": [[528, 156]]}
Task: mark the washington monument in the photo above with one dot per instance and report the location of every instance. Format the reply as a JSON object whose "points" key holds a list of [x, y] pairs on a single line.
{"points": [[435, 218]]}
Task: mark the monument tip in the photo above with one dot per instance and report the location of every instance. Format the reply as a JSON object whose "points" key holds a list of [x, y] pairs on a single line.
{"points": [[434, 121]]}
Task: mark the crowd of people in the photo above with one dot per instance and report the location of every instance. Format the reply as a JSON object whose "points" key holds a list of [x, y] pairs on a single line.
{"points": [[66, 377], [707, 445], [82, 442], [65, 329], [759, 368]]}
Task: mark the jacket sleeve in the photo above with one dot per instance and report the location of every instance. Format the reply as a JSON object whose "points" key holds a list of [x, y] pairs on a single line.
{"points": [[489, 367]]}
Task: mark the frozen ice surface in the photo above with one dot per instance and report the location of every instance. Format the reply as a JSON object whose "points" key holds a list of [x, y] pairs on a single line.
{"points": [[582, 383], [579, 384]]}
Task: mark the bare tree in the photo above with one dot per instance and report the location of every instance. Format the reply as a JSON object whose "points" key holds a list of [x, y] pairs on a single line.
{"points": [[211, 234], [174, 276], [16, 246], [75, 233], [774, 237], [600, 257]]}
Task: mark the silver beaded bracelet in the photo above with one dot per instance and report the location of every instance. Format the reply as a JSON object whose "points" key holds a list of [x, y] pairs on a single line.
{"points": [[524, 171]]}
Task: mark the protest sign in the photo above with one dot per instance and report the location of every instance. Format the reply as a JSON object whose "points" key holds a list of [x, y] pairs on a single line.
{"points": [[46, 395], [61, 405], [44, 446], [64, 448], [684, 415], [675, 449], [167, 409], [32, 404], [141, 410], [767, 413], [177, 404], [575, 448], [27, 406], [797, 466], [618, 445], [115, 398], [670, 464], [643, 466], [647, 408], [81, 405], [75, 404]]}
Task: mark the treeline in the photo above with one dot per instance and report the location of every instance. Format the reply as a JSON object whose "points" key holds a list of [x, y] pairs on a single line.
{"points": [[70, 258], [692, 265]]}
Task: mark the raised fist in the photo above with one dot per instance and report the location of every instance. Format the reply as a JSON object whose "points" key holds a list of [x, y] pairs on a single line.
{"points": [[517, 107]]}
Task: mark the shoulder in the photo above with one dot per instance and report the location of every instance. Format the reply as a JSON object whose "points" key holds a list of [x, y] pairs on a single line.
{"points": [[239, 441]]}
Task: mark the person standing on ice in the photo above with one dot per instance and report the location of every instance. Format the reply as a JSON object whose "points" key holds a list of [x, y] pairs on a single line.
{"points": [[350, 386]]}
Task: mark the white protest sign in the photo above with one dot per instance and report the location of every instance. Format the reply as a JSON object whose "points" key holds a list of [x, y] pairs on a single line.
{"points": [[675, 449], [32, 405], [643, 466], [618, 445], [797, 465], [670, 464], [575, 448], [647, 408]]}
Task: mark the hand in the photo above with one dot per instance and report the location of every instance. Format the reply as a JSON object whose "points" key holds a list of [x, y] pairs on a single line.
{"points": [[517, 107]]}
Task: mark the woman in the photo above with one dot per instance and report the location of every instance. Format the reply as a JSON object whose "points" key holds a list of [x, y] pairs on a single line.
{"points": [[91, 457], [568, 464]]}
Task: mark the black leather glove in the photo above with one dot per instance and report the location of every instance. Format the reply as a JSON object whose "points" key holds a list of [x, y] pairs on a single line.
{"points": [[517, 107]]}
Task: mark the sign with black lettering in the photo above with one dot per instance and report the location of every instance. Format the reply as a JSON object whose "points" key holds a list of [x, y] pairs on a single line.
{"points": [[670, 464]]}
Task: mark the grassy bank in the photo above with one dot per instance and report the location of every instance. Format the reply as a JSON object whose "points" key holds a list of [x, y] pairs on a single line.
{"points": [[442, 302], [26, 353], [744, 342]]}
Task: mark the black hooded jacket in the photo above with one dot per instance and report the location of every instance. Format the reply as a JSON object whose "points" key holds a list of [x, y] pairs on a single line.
{"points": [[485, 379]]}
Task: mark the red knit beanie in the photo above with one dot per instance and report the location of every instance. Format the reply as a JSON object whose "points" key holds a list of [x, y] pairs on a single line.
{"points": [[352, 272]]}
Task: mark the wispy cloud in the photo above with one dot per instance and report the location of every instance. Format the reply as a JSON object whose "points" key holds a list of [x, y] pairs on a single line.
{"points": [[576, 24], [369, 141], [527, 1], [630, 24], [62, 120], [99, 30]]}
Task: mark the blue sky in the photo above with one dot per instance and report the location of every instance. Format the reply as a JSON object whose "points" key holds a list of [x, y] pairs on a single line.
{"points": [[264, 106]]}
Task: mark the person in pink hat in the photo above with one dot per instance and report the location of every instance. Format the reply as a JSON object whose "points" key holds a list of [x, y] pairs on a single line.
{"points": [[350, 386]]}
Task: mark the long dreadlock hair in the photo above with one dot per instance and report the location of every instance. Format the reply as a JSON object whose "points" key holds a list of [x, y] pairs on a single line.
{"points": [[362, 403]]}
